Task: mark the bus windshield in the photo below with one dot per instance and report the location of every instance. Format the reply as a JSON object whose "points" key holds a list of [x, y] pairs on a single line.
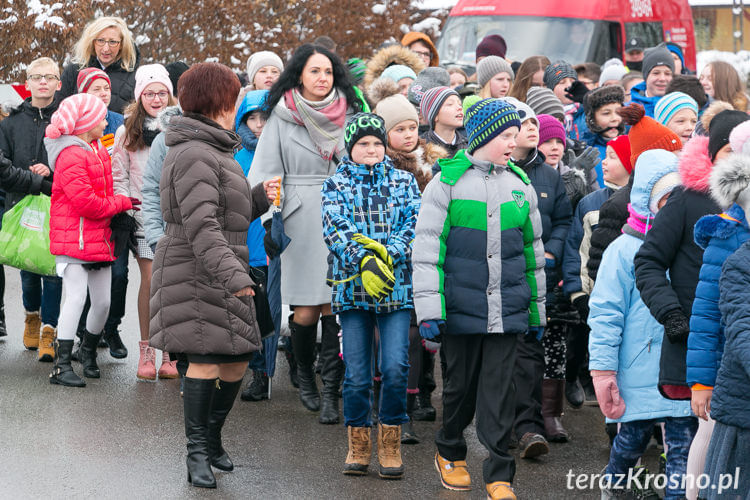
{"points": [[554, 37]]}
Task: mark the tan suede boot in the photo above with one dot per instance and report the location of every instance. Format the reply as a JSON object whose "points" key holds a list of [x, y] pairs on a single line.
{"points": [[33, 323], [360, 450], [47, 344], [389, 452]]}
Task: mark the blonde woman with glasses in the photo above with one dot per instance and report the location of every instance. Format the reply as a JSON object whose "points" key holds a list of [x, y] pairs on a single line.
{"points": [[106, 43]]}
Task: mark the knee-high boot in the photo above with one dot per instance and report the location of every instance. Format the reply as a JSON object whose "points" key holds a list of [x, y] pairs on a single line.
{"points": [[196, 399], [224, 396], [303, 343], [332, 371], [553, 391]]}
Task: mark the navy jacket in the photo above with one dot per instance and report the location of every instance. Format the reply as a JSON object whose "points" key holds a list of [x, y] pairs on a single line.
{"points": [[612, 215]]}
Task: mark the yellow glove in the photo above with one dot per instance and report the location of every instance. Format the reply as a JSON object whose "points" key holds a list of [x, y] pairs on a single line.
{"points": [[378, 248], [377, 279]]}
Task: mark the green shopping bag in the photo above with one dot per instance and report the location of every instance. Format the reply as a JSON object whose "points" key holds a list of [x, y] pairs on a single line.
{"points": [[24, 238]]}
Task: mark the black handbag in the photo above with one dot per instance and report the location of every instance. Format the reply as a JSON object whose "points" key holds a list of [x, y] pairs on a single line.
{"points": [[262, 309]]}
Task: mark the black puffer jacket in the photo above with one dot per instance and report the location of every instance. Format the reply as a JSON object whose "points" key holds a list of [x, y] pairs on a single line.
{"points": [[612, 216], [123, 82], [22, 142]]}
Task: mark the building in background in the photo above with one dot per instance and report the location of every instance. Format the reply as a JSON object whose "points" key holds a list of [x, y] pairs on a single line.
{"points": [[721, 24]]}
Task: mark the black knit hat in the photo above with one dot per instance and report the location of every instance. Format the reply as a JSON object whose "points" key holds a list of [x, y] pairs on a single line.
{"points": [[361, 125], [599, 97], [720, 128], [175, 70]]}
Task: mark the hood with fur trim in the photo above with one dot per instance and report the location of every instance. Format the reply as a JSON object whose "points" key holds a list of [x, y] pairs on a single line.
{"points": [[695, 165], [165, 115], [730, 177], [419, 162], [711, 111], [394, 54]]}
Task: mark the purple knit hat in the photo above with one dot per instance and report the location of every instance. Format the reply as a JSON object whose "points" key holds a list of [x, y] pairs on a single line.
{"points": [[550, 128]]}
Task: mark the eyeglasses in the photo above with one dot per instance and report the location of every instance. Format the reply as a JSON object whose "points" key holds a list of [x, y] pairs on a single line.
{"points": [[49, 78], [101, 42], [425, 55], [149, 96]]}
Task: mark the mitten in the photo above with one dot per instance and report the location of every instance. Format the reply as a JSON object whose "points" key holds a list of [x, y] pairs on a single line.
{"points": [[272, 249], [607, 393], [585, 161], [677, 327], [377, 278], [577, 91]]}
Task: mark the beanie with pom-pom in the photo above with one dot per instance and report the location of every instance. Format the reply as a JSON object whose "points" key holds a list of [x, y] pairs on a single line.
{"points": [[646, 133], [390, 104], [76, 115]]}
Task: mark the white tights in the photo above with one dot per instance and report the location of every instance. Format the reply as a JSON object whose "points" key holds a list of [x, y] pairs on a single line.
{"points": [[697, 456], [76, 280]]}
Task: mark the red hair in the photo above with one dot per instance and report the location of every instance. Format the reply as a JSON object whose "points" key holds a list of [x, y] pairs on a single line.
{"points": [[208, 89]]}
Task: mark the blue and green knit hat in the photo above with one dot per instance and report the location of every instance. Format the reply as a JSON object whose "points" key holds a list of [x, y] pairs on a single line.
{"points": [[487, 119]]}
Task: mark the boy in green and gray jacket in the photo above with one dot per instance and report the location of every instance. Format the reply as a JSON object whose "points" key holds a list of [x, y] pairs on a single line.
{"points": [[478, 282]]}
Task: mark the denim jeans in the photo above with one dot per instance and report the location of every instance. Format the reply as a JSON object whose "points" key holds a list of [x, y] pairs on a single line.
{"points": [[631, 442], [42, 292], [393, 363]]}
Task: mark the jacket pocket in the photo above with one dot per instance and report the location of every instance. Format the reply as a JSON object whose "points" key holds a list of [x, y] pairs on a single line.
{"points": [[646, 346], [291, 204]]}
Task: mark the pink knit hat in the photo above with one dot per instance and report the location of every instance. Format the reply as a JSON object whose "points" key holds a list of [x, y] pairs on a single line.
{"points": [[151, 73], [76, 115], [739, 138], [87, 76], [550, 128]]}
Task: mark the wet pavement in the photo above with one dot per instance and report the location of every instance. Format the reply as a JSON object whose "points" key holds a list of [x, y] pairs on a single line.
{"points": [[123, 438]]}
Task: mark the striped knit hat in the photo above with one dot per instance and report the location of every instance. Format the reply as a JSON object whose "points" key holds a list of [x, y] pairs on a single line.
{"points": [[76, 115], [671, 104], [87, 76], [544, 102], [487, 119], [432, 101], [357, 68]]}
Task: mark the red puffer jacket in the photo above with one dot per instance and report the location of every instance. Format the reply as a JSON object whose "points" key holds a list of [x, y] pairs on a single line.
{"points": [[83, 201]]}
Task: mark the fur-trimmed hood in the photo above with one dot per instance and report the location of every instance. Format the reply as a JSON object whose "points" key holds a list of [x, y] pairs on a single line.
{"points": [[711, 111], [419, 162], [394, 54], [730, 177], [165, 115], [719, 226], [695, 165]]}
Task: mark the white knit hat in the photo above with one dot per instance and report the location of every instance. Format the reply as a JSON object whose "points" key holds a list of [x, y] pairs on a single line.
{"points": [[261, 59], [151, 73]]}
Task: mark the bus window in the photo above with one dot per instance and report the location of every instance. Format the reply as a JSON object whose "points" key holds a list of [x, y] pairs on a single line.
{"points": [[652, 33]]}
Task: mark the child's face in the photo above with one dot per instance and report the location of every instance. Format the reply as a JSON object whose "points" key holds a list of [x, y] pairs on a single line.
{"points": [[154, 98], [500, 148], [255, 122], [266, 77], [43, 88], [451, 113], [100, 88], [552, 150], [500, 85], [369, 150], [559, 90], [528, 137], [404, 136], [613, 169], [606, 117], [98, 131], [457, 79], [683, 123], [663, 201], [404, 84]]}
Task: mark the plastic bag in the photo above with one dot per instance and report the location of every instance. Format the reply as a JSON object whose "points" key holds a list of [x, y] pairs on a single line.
{"points": [[24, 238]]}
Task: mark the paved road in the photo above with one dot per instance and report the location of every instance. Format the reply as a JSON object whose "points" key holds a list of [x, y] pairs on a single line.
{"points": [[121, 438]]}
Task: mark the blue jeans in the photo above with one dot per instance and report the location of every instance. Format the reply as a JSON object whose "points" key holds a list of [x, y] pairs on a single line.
{"points": [[393, 363], [631, 442], [42, 292]]}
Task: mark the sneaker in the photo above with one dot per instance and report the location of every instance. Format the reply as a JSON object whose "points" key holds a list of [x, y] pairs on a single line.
{"points": [[533, 445], [453, 475], [257, 389]]}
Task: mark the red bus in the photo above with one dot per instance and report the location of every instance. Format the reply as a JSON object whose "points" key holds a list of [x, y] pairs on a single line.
{"points": [[573, 30]]}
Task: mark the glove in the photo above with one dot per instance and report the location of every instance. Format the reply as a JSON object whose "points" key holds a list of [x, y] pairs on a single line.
{"points": [[607, 393], [5, 162], [123, 228], [272, 249], [576, 92], [581, 303], [549, 263], [377, 279], [432, 329], [536, 331], [375, 247], [586, 161], [135, 202], [431, 346], [676, 327]]}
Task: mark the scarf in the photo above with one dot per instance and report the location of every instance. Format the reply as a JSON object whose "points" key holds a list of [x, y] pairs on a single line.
{"points": [[324, 120], [637, 222], [150, 130], [249, 141], [570, 111]]}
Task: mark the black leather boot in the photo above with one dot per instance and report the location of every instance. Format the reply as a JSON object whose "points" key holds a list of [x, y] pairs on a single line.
{"points": [[303, 343], [116, 348], [197, 408], [332, 370], [224, 396], [62, 372], [88, 354]]}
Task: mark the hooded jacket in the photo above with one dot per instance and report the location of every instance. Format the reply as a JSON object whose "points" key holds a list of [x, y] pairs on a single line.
{"points": [[624, 335], [381, 202], [612, 215], [417, 36], [668, 263], [83, 200], [478, 253], [22, 142], [393, 54], [638, 95]]}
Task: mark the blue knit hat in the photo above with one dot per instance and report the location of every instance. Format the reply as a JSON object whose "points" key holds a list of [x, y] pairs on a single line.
{"points": [[487, 119], [398, 72], [671, 104]]}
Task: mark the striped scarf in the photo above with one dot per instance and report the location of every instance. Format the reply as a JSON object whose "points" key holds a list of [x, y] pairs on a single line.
{"points": [[324, 120]]}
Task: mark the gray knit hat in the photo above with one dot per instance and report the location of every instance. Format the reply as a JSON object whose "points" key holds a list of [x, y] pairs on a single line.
{"points": [[491, 66], [556, 71], [657, 56], [544, 102], [427, 79]]}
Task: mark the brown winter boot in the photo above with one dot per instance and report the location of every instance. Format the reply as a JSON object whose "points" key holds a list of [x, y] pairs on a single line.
{"points": [[47, 344], [389, 452], [553, 391], [33, 323], [360, 449]]}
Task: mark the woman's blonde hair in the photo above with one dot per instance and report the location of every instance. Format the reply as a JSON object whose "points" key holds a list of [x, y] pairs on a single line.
{"points": [[84, 48]]}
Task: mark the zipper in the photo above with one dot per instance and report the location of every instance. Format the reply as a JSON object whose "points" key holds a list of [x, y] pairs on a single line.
{"points": [[108, 247], [80, 233]]}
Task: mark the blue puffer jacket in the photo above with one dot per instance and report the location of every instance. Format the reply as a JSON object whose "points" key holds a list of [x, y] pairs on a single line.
{"points": [[720, 236], [730, 403], [253, 101], [382, 203], [624, 336], [638, 95]]}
